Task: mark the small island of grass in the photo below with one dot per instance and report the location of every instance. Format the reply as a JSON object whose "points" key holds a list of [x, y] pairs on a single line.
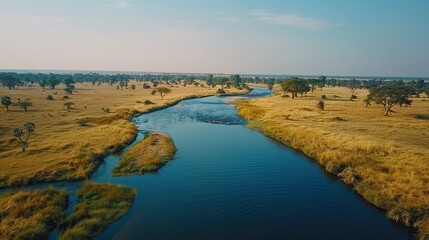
{"points": [[31, 214], [98, 206], [150, 154]]}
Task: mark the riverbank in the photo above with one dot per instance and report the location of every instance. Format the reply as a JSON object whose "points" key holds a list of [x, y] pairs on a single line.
{"points": [[69, 144], [148, 155], [383, 158]]}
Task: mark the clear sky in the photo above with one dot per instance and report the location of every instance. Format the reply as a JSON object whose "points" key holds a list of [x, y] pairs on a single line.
{"points": [[329, 37]]}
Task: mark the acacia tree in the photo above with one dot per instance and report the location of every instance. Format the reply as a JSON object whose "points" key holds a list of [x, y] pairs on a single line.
{"points": [[162, 91], [25, 104], [236, 80], [53, 81], [390, 95], [23, 134], [222, 81], [295, 86], [6, 101]]}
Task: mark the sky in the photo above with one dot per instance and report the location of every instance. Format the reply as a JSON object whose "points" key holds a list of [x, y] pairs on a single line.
{"points": [[302, 37]]}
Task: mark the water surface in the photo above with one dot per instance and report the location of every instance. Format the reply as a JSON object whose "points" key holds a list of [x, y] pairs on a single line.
{"points": [[229, 182]]}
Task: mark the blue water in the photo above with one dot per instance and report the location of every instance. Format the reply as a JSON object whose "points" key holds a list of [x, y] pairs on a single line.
{"points": [[230, 182]]}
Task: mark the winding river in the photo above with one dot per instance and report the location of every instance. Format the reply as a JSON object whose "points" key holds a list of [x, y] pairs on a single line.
{"points": [[230, 182]]}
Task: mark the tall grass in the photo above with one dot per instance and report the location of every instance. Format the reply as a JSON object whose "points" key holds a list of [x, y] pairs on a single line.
{"points": [[98, 206], [31, 214]]}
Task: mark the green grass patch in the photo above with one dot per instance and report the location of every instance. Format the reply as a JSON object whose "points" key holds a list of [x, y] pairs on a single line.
{"points": [[98, 206]]}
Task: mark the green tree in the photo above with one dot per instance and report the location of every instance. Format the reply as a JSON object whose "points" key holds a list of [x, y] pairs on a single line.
{"points": [[121, 84], [295, 86], [162, 91], [69, 89], [6, 101], [209, 80], [25, 104], [9, 81], [236, 80], [222, 81], [390, 95], [53, 81], [133, 87], [321, 105], [23, 134]]}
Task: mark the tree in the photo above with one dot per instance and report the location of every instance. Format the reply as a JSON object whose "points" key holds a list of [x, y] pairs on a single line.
{"points": [[162, 91], [25, 104], [209, 80], [53, 81], [69, 89], [390, 95], [23, 134], [270, 83], [236, 80], [222, 82], [121, 84], [133, 87], [9, 81], [295, 86], [6, 101]]}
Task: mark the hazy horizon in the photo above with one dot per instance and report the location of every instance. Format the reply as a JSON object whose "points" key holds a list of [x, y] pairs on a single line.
{"points": [[333, 38]]}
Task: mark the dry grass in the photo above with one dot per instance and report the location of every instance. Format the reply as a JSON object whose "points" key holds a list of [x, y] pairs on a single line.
{"points": [[31, 214], [69, 144], [386, 159], [98, 206], [150, 154]]}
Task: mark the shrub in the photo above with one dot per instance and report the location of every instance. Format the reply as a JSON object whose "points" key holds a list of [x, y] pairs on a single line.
{"points": [[321, 105], [106, 110], [353, 97], [84, 122], [148, 102], [66, 97], [220, 91], [50, 97], [323, 96]]}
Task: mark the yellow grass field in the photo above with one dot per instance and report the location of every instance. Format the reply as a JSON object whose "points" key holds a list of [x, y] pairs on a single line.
{"points": [[69, 144], [386, 159]]}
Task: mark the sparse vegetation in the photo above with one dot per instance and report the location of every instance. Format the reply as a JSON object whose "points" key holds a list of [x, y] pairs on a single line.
{"points": [[98, 206], [150, 154], [31, 214]]}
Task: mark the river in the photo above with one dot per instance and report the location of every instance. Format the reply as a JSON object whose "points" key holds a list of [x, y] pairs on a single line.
{"points": [[230, 182]]}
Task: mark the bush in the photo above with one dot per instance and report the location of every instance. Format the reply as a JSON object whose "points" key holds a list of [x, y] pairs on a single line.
{"points": [[50, 97], [220, 91], [106, 110], [323, 96], [148, 102], [84, 122], [353, 97], [66, 97], [321, 105]]}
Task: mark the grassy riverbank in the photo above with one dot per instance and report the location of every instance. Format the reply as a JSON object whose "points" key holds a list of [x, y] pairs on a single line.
{"points": [[98, 206], [385, 159], [69, 144], [150, 154], [31, 214]]}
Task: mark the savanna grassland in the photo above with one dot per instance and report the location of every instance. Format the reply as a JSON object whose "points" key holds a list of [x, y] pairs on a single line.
{"points": [[31, 214], [148, 155], [385, 159], [69, 144]]}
